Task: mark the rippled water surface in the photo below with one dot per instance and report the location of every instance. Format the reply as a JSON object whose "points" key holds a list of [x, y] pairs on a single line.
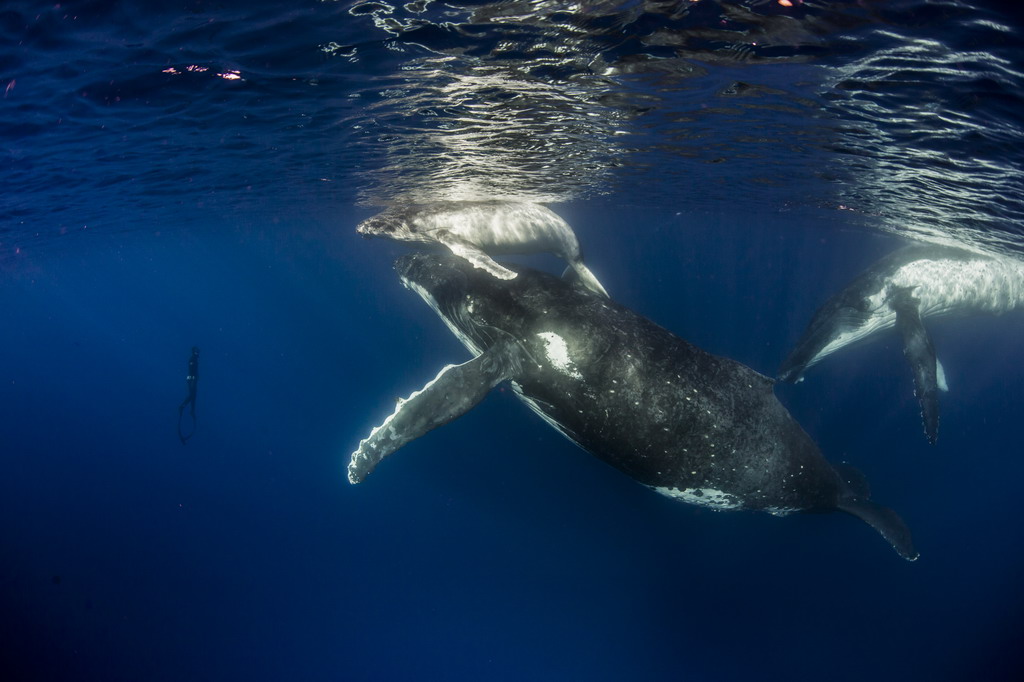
{"points": [[905, 113]]}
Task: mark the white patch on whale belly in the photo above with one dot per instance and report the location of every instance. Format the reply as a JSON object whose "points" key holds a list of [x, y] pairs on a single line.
{"points": [[704, 497], [780, 511], [558, 354]]}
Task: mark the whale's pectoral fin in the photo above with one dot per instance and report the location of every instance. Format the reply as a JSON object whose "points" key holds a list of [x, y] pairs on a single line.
{"points": [[578, 273], [918, 349], [452, 393], [473, 253]]}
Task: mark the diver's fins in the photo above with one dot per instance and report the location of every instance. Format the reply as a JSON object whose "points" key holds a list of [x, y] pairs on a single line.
{"points": [[885, 521], [452, 393], [181, 411], [918, 349]]}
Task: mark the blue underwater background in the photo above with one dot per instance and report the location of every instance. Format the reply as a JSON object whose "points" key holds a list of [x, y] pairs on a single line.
{"points": [[172, 209]]}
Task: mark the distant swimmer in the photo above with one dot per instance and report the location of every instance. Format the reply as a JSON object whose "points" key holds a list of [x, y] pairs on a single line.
{"points": [[190, 399], [477, 230]]}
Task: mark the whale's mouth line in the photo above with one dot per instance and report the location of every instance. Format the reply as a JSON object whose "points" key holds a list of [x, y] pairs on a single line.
{"points": [[420, 290], [451, 318]]}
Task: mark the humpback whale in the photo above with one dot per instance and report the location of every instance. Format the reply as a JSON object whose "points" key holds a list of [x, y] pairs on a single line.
{"points": [[476, 230], [696, 427], [900, 290]]}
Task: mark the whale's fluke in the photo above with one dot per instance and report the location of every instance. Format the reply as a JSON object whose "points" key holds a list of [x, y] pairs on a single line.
{"points": [[885, 521]]}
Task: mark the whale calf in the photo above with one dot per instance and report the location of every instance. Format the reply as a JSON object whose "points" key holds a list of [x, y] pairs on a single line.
{"points": [[900, 290], [696, 427], [477, 230]]}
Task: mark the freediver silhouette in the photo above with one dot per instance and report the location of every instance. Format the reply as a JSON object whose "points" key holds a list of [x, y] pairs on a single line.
{"points": [[190, 399]]}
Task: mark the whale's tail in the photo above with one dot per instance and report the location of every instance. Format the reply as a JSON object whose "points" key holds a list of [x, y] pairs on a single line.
{"points": [[854, 499], [885, 521]]}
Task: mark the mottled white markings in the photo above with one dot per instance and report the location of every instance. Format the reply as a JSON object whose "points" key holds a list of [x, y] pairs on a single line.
{"points": [[558, 354], [704, 497], [369, 446], [780, 511]]}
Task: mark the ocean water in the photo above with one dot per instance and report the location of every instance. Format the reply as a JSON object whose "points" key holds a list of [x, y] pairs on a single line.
{"points": [[191, 173]]}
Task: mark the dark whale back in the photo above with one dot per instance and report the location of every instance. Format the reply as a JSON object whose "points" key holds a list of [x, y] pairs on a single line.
{"points": [[646, 401], [695, 426]]}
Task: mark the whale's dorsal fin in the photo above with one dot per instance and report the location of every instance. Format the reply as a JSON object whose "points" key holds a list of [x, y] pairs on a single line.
{"points": [[918, 349], [473, 253], [454, 391]]}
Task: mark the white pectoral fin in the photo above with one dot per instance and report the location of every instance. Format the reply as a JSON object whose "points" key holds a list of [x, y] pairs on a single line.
{"points": [[452, 393], [474, 255], [940, 376], [920, 353], [588, 279]]}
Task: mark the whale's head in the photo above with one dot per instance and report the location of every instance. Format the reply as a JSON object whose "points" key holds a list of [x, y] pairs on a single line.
{"points": [[441, 281], [477, 307], [391, 224], [865, 306], [848, 317]]}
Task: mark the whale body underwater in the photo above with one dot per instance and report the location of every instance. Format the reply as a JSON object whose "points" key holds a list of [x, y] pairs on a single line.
{"points": [[696, 427], [477, 230], [901, 290]]}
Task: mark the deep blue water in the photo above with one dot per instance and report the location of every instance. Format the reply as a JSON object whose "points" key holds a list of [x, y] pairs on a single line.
{"points": [[148, 211]]}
